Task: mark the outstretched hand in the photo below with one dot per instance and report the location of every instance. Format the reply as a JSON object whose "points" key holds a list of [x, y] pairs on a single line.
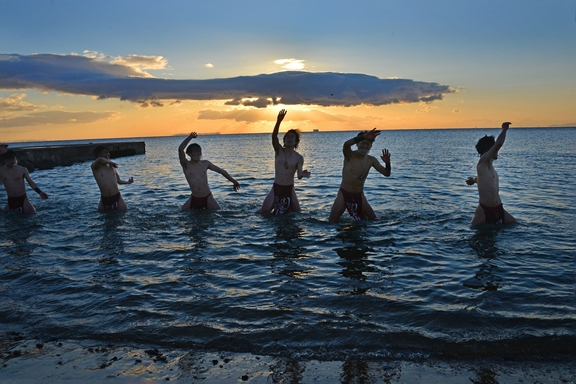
{"points": [[371, 135], [506, 125], [306, 173], [130, 180], [193, 135], [43, 195], [236, 186], [471, 181], [281, 115], [385, 156]]}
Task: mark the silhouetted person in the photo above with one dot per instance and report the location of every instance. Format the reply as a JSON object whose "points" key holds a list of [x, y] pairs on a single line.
{"points": [[13, 176], [107, 177], [356, 166], [490, 209], [287, 162], [196, 174]]}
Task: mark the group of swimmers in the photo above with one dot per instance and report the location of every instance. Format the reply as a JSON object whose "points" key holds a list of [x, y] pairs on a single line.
{"points": [[282, 196]]}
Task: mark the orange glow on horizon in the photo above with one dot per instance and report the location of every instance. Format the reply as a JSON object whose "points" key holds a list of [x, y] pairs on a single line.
{"points": [[127, 120]]}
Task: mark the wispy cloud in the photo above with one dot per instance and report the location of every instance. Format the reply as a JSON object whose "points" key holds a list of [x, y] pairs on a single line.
{"points": [[142, 63], [55, 117], [252, 115], [124, 78], [15, 103]]}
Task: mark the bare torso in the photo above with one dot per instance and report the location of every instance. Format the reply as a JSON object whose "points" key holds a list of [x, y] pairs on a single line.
{"points": [[488, 185], [197, 177], [13, 179], [107, 179], [286, 164], [355, 171]]}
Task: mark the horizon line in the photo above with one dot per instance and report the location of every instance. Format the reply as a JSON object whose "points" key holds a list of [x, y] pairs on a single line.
{"points": [[261, 133]]}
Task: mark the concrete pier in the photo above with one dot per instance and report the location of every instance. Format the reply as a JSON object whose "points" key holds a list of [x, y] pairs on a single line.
{"points": [[50, 156]]}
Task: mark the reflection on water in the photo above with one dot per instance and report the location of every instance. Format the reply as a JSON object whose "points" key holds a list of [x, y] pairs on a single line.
{"points": [[197, 225], [356, 261], [416, 279], [287, 370], [287, 246], [356, 371], [485, 376], [111, 242], [483, 244]]}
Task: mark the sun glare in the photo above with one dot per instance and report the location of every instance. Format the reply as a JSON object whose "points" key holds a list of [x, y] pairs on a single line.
{"points": [[290, 64]]}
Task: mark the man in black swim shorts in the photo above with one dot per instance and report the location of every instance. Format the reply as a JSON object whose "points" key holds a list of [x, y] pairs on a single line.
{"points": [[195, 171], [13, 176]]}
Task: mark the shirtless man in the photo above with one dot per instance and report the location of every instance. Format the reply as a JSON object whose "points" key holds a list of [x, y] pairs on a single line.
{"points": [[13, 176], [197, 177], [357, 164], [107, 177], [490, 209], [282, 197]]}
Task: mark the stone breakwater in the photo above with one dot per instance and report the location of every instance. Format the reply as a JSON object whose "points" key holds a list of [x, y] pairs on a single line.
{"points": [[51, 156]]}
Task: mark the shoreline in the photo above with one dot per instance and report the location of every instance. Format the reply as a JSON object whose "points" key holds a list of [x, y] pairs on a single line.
{"points": [[90, 361]]}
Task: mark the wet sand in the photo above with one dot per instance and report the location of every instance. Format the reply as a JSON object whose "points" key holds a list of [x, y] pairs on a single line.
{"points": [[29, 361]]}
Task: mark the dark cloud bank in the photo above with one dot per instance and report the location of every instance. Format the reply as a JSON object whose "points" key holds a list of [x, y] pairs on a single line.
{"points": [[88, 76]]}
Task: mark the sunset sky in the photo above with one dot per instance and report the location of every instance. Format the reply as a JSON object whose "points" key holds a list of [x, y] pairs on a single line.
{"points": [[105, 69]]}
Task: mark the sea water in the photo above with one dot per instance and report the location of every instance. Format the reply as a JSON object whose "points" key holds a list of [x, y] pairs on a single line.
{"points": [[416, 281]]}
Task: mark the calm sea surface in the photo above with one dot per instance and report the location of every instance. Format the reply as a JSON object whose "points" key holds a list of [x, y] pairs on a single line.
{"points": [[418, 281]]}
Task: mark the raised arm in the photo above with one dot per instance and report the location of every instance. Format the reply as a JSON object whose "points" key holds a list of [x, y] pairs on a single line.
{"points": [[275, 141], [347, 147], [219, 170], [102, 162], [386, 159], [182, 148], [501, 137], [492, 152]]}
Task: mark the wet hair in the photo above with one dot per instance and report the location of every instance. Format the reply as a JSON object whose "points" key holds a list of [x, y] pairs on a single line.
{"points": [[9, 155], [193, 147], [296, 132], [484, 144], [98, 150], [363, 133]]}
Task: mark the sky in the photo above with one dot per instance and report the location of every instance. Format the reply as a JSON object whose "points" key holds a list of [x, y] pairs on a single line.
{"points": [[73, 70]]}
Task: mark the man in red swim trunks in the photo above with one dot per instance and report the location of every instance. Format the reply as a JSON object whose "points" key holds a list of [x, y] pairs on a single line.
{"points": [[196, 174], [357, 164], [490, 209], [13, 176], [107, 178], [287, 163]]}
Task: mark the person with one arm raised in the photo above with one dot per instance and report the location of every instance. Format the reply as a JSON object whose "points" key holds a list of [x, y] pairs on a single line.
{"points": [[490, 209], [287, 162]]}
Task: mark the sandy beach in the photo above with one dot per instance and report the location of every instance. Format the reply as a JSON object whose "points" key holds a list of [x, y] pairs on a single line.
{"points": [[30, 361]]}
